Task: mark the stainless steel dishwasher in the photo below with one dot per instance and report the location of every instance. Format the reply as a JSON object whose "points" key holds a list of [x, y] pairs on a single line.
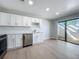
{"points": [[27, 39]]}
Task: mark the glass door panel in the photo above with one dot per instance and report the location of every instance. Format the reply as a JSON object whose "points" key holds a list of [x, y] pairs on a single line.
{"points": [[73, 31], [61, 31]]}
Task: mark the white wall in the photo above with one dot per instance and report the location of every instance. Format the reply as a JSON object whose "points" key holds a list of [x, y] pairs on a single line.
{"points": [[45, 28], [43, 33], [53, 29]]}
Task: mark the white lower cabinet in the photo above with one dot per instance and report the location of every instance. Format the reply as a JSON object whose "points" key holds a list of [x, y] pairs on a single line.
{"points": [[37, 38], [19, 41], [14, 41], [11, 40]]}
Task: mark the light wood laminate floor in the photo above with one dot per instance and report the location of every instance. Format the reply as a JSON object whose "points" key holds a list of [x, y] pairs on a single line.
{"points": [[50, 49]]}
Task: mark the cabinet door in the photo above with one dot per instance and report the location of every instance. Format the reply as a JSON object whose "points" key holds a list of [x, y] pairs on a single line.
{"points": [[14, 41], [4, 19], [11, 42], [35, 38], [27, 21], [35, 20], [19, 20], [13, 20], [19, 41], [16, 20]]}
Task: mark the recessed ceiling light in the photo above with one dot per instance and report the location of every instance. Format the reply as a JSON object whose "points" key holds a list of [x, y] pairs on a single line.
{"points": [[57, 13], [30, 2], [47, 9]]}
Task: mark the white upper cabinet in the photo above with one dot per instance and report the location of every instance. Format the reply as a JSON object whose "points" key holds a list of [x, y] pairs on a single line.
{"points": [[35, 20], [14, 20], [19, 20], [27, 21], [4, 19]]}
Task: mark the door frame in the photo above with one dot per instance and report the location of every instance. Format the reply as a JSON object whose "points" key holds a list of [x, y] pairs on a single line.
{"points": [[66, 29], [65, 23]]}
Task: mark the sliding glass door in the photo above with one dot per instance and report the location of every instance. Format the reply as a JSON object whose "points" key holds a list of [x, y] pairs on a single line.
{"points": [[61, 30], [69, 31], [73, 31]]}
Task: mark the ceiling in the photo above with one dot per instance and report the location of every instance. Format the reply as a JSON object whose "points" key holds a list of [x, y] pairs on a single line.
{"points": [[38, 9]]}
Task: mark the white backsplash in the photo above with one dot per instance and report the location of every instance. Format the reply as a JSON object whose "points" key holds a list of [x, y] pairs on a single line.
{"points": [[15, 30]]}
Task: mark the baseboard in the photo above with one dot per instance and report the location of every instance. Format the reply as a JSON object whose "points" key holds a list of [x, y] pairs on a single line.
{"points": [[27, 45], [13, 49], [53, 38], [38, 43]]}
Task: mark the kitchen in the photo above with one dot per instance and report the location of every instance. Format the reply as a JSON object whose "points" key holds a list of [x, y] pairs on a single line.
{"points": [[39, 29], [18, 27]]}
